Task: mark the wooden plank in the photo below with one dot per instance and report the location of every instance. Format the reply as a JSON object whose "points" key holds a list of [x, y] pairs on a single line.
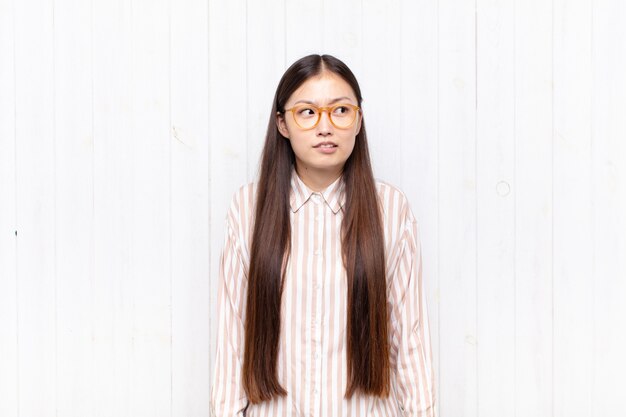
{"points": [[150, 265], [190, 207], [533, 208], [8, 216], [303, 20], [113, 198], [380, 82], [495, 148], [228, 151], [74, 237], [342, 32], [572, 210], [265, 64], [608, 178], [36, 208], [457, 209]]}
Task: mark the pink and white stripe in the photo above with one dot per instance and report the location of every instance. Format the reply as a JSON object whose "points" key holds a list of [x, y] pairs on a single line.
{"points": [[312, 351]]}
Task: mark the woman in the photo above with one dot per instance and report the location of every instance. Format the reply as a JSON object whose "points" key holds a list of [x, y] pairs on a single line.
{"points": [[321, 310]]}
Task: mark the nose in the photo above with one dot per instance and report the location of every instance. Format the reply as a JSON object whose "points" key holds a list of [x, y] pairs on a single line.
{"points": [[324, 127]]}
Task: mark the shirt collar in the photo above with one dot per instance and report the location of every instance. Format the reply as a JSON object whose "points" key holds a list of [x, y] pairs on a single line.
{"points": [[333, 195]]}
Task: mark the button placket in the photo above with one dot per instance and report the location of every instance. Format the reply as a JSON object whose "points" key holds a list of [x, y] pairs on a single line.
{"points": [[312, 385], [316, 322]]}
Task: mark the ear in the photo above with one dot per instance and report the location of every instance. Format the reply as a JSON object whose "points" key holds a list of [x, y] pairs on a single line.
{"points": [[282, 125], [359, 120]]}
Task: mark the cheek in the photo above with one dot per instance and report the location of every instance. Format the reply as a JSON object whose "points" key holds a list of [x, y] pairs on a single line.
{"points": [[299, 144], [351, 146], [351, 139]]}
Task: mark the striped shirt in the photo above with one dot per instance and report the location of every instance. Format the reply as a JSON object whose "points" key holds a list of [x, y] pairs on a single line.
{"points": [[312, 347]]}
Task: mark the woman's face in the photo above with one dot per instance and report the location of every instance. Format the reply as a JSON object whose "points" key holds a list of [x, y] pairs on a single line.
{"points": [[325, 89]]}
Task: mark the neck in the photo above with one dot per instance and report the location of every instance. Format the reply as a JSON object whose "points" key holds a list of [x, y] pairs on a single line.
{"points": [[318, 180]]}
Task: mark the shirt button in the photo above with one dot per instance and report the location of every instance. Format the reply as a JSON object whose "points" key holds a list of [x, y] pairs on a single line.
{"points": [[317, 218], [315, 391], [318, 252], [317, 355]]}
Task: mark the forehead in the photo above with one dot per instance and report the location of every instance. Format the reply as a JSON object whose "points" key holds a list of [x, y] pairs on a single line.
{"points": [[323, 88]]}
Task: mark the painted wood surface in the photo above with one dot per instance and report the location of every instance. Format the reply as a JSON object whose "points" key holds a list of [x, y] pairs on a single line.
{"points": [[125, 128]]}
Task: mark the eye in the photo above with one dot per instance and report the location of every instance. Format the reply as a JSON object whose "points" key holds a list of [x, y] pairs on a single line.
{"points": [[341, 110], [306, 111]]}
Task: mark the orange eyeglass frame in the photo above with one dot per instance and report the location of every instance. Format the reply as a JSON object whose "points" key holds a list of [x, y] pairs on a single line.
{"points": [[321, 110]]}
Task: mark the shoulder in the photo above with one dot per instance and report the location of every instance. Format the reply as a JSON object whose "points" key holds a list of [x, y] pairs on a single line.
{"points": [[243, 198], [394, 202], [387, 189], [399, 224], [241, 209]]}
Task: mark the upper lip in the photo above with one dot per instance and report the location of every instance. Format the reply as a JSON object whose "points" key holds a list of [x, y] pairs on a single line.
{"points": [[325, 143]]}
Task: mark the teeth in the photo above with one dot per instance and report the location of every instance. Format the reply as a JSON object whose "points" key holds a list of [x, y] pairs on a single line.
{"points": [[327, 146]]}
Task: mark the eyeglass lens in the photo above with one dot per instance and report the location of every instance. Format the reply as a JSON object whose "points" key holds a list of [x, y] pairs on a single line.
{"points": [[308, 116]]}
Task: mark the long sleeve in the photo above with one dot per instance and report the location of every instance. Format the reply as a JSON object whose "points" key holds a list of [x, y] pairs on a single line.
{"points": [[227, 394], [311, 357], [411, 355]]}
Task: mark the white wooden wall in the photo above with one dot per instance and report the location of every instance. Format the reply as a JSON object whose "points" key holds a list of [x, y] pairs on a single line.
{"points": [[126, 126]]}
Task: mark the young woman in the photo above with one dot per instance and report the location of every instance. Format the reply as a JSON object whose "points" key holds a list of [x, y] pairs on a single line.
{"points": [[321, 309]]}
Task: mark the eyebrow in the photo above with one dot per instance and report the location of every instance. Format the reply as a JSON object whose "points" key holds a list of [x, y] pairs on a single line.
{"points": [[330, 102]]}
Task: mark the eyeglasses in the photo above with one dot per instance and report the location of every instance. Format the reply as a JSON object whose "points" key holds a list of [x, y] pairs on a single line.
{"points": [[307, 116]]}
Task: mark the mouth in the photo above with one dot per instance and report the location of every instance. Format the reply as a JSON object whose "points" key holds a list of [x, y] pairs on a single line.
{"points": [[326, 145]]}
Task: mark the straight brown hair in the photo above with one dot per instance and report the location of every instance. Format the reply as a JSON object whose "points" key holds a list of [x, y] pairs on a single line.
{"points": [[362, 253]]}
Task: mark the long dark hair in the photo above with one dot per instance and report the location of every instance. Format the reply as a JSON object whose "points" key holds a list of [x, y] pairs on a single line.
{"points": [[362, 252]]}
